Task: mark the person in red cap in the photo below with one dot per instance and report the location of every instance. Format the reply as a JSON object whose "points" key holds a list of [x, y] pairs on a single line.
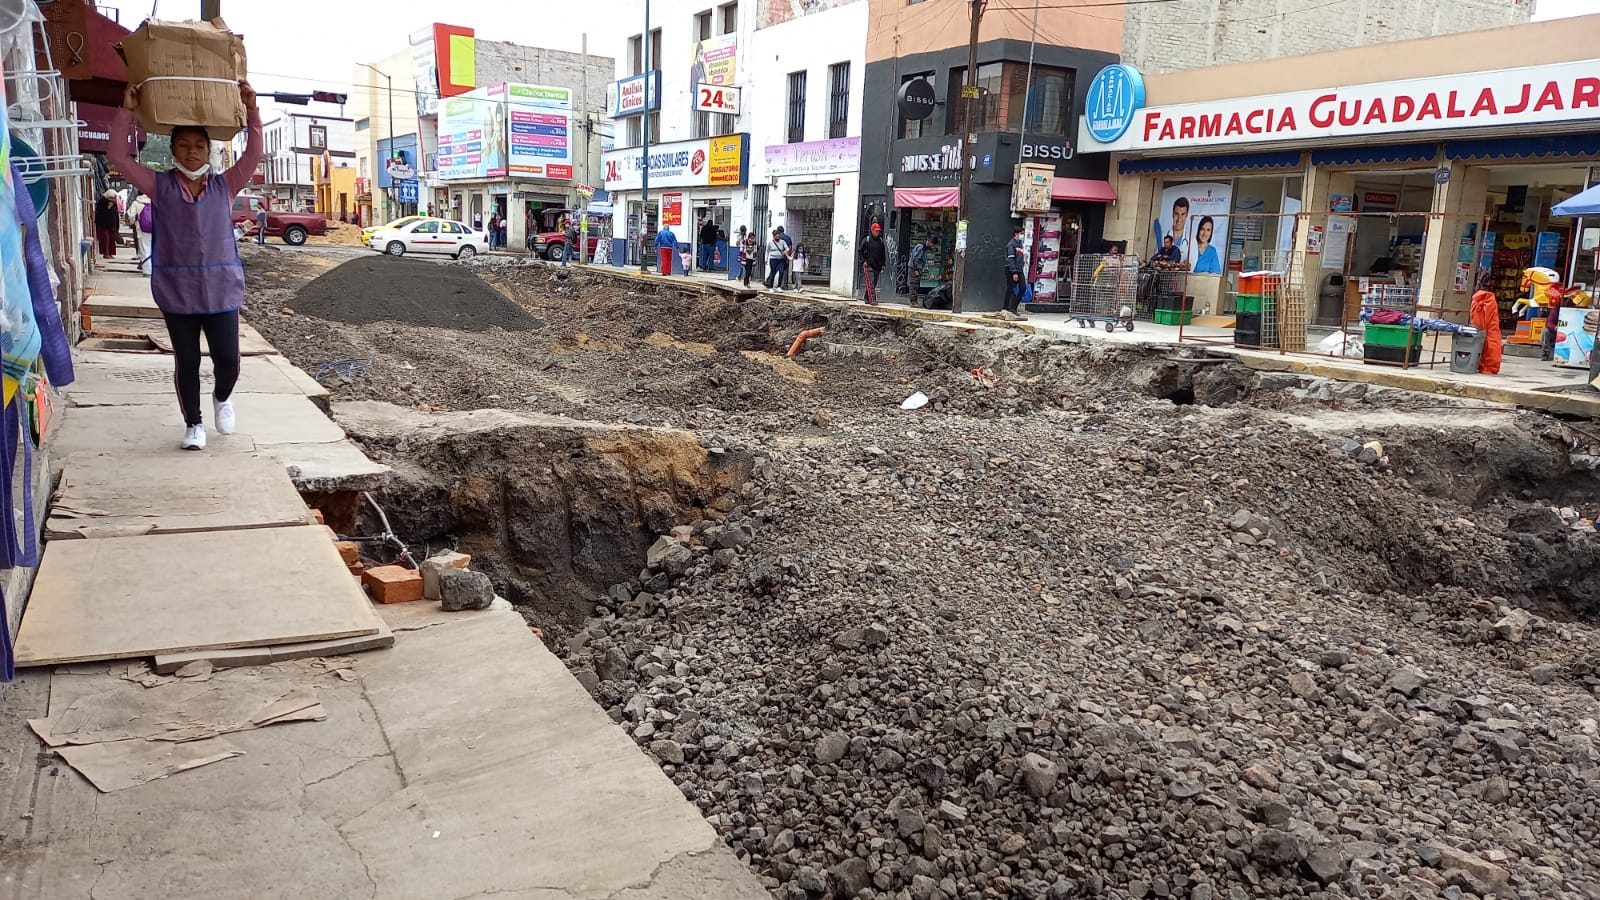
{"points": [[873, 257]]}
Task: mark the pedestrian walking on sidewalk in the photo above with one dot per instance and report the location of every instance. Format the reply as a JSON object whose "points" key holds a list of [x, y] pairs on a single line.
{"points": [[106, 218], [708, 243], [570, 251], [494, 231], [197, 278], [873, 256], [1016, 258], [748, 247], [141, 218], [777, 261]]}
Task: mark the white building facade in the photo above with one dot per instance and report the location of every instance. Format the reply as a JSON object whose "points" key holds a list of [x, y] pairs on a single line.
{"points": [[294, 143], [786, 152]]}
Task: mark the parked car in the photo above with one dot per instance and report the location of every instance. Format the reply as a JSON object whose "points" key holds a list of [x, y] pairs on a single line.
{"points": [[425, 235], [293, 227], [366, 233], [550, 241]]}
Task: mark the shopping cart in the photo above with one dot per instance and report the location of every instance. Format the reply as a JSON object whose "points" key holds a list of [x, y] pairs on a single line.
{"points": [[1105, 289]]}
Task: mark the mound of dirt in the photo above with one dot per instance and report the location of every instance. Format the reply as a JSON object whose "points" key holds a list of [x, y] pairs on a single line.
{"points": [[383, 289]]}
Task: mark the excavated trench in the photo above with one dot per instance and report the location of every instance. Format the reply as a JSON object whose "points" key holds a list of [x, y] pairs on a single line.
{"points": [[559, 511]]}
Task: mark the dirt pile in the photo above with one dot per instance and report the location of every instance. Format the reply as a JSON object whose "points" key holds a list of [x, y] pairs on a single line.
{"points": [[1152, 654], [366, 291], [1093, 622]]}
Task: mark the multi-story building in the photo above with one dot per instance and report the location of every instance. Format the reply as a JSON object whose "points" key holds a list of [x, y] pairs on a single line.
{"points": [[754, 110], [1033, 81], [387, 126], [296, 144], [1189, 34], [514, 130]]}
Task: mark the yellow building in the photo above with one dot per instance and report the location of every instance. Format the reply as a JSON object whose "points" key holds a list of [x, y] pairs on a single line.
{"points": [[336, 188]]}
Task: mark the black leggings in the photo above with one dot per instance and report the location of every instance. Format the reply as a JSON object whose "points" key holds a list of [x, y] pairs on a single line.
{"points": [[222, 334]]}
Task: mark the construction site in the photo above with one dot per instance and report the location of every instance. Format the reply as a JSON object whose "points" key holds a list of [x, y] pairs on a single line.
{"points": [[917, 608]]}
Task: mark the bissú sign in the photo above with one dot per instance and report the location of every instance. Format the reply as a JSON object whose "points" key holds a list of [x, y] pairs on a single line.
{"points": [[1536, 94], [1047, 151]]}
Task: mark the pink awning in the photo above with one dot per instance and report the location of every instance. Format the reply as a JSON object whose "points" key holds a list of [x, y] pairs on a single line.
{"points": [[1083, 189], [927, 198]]}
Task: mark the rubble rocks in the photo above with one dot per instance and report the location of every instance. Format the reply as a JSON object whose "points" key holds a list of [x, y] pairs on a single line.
{"points": [[669, 555], [1513, 625], [434, 565], [461, 589], [1039, 775]]}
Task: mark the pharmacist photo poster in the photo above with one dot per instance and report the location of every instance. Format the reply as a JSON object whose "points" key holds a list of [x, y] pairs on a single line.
{"points": [[1196, 215]]}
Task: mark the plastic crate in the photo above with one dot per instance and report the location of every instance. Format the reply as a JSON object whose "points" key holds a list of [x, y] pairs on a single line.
{"points": [[1247, 303], [1378, 353], [1393, 336], [1258, 283], [1173, 316]]}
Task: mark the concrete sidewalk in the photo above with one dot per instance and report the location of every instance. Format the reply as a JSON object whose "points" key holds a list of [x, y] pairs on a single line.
{"points": [[464, 762]]}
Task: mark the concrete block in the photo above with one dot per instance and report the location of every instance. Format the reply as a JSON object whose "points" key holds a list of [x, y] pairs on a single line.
{"points": [[393, 584], [435, 565]]}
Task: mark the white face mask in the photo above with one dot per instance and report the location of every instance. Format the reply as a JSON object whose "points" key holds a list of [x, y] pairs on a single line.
{"points": [[193, 174]]}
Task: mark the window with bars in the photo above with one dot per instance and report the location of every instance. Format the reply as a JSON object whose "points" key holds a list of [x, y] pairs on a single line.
{"points": [[838, 100], [797, 107]]}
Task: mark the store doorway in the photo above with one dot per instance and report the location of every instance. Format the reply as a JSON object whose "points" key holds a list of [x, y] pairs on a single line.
{"points": [[808, 218], [720, 215]]}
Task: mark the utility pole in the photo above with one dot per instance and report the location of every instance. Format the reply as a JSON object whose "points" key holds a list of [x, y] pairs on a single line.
{"points": [[644, 168], [583, 104], [385, 161], [969, 93]]}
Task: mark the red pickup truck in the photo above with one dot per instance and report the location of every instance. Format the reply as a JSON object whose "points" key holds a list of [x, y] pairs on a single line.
{"points": [[291, 226], [550, 241]]}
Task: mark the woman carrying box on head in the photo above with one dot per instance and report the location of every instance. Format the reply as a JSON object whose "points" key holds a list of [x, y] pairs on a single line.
{"points": [[196, 278]]}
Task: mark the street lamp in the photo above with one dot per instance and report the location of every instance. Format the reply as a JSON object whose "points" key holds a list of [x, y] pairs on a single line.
{"points": [[390, 89]]}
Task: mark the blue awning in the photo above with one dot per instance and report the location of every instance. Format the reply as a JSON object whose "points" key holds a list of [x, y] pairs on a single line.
{"points": [[1289, 159], [1526, 147], [1584, 204], [1371, 156]]}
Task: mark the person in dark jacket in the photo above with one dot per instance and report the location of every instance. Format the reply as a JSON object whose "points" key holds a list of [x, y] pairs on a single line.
{"points": [[107, 223], [1018, 294], [873, 256], [709, 233], [914, 267]]}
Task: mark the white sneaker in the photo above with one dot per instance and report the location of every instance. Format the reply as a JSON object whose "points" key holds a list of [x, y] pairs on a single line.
{"points": [[194, 438], [224, 416]]}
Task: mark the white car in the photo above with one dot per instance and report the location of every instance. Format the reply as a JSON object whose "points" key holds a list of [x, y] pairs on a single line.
{"points": [[443, 236]]}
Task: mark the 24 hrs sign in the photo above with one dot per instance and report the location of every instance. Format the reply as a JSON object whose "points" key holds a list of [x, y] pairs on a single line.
{"points": [[717, 98]]}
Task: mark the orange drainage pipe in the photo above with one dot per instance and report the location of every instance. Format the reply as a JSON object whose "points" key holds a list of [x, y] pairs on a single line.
{"points": [[801, 339]]}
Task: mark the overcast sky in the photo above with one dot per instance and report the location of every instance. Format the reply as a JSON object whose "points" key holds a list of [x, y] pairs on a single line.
{"points": [[301, 45]]}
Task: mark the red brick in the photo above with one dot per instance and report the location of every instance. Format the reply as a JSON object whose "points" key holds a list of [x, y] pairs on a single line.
{"points": [[393, 584], [349, 551], [317, 515]]}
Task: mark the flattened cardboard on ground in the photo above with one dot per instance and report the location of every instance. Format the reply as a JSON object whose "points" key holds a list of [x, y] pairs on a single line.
{"points": [[100, 372], [117, 495], [179, 709], [116, 765], [259, 656], [120, 598], [189, 74]]}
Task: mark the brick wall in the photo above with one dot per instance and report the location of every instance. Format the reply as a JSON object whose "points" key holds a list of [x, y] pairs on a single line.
{"points": [[1190, 34]]}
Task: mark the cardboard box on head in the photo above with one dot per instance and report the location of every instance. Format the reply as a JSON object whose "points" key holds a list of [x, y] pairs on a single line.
{"points": [[188, 73]]}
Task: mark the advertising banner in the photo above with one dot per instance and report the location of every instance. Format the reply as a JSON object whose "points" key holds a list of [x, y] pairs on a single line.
{"points": [[455, 59], [634, 95], [472, 135], [1196, 217], [672, 209], [540, 140], [425, 71], [714, 161], [717, 59], [1545, 94], [814, 157]]}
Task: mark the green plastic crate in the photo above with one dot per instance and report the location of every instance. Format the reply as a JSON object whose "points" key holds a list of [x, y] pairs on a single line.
{"points": [[1174, 316], [1392, 336], [1247, 303]]}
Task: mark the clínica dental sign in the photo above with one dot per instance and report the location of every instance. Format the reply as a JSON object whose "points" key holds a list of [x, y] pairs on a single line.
{"points": [[1562, 92]]}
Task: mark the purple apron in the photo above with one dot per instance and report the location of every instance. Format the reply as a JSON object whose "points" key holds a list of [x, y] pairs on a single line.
{"points": [[195, 266]]}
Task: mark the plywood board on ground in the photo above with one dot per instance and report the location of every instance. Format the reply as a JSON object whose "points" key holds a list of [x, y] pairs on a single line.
{"points": [[119, 494], [1213, 321], [166, 663], [119, 598]]}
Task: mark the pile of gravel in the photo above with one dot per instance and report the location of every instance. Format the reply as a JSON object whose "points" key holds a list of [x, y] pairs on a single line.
{"points": [[378, 289], [1123, 650]]}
